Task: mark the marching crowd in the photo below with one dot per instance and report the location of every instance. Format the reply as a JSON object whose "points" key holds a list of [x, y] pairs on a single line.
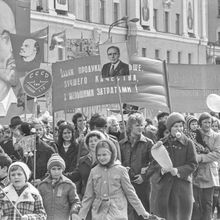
{"points": [[102, 168]]}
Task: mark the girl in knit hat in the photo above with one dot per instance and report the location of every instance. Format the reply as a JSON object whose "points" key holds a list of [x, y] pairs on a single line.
{"points": [[20, 200], [109, 188], [59, 194], [171, 193], [192, 132]]}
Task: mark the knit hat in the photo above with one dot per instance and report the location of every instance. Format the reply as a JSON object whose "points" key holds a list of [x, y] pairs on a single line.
{"points": [[203, 116], [189, 119], [56, 160], [23, 166], [173, 118]]}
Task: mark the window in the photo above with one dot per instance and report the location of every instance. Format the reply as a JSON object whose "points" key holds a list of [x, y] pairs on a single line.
{"points": [[144, 52], [60, 53], [179, 57], [189, 58], [155, 19], [41, 5], [168, 56], [157, 54], [219, 8], [116, 10], [87, 10], [177, 24], [102, 11], [166, 21], [218, 38]]}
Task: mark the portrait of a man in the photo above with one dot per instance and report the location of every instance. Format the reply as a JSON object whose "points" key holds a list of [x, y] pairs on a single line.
{"points": [[8, 77], [115, 67], [29, 50]]}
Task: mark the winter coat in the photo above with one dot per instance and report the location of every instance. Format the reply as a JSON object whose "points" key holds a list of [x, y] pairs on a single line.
{"points": [[137, 158], [107, 192], [172, 196], [59, 199], [81, 173], [70, 157], [28, 203], [206, 175]]}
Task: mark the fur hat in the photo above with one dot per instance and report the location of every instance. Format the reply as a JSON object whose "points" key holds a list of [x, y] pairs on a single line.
{"points": [[56, 160], [203, 116], [189, 119], [94, 133], [173, 118], [23, 166]]}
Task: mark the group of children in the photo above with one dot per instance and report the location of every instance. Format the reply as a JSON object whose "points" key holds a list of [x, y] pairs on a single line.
{"points": [[106, 195]]}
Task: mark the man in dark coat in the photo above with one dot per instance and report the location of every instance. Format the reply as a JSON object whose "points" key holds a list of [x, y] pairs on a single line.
{"points": [[115, 67]]}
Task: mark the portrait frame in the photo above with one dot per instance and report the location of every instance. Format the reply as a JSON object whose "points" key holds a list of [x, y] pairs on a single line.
{"points": [[123, 54]]}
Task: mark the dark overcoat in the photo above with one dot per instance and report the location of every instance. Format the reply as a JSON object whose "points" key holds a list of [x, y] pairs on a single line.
{"points": [[172, 196]]}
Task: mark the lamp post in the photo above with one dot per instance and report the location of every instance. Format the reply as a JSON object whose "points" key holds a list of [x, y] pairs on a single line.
{"points": [[120, 21]]}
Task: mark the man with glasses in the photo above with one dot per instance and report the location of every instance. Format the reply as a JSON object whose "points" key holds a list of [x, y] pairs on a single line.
{"points": [[115, 67]]}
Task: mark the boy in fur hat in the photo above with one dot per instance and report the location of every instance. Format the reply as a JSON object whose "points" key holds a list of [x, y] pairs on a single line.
{"points": [[59, 194], [20, 200]]}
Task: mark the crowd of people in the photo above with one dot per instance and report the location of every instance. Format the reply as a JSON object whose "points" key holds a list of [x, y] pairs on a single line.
{"points": [[102, 168]]}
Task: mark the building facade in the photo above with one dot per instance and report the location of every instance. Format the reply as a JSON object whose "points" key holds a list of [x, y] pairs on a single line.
{"points": [[175, 31], [171, 30]]}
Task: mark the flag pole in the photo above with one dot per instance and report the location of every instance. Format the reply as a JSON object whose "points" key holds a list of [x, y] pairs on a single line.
{"points": [[120, 105], [167, 86]]}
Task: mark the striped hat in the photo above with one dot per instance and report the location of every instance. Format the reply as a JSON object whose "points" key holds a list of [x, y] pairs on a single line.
{"points": [[189, 119], [56, 160]]}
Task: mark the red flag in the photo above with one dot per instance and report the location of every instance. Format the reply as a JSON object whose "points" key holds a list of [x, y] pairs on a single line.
{"points": [[58, 39]]}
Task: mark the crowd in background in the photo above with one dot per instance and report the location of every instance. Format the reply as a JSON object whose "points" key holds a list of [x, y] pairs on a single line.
{"points": [[102, 168]]}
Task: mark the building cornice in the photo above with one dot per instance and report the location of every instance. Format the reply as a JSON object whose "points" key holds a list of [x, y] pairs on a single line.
{"points": [[71, 21]]}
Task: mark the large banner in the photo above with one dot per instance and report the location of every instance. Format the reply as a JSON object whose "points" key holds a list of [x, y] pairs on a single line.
{"points": [[14, 19], [79, 83], [189, 86]]}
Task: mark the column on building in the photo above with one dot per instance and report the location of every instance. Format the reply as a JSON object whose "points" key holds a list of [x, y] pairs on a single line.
{"points": [[51, 7], [151, 4], [204, 19], [185, 30], [196, 18]]}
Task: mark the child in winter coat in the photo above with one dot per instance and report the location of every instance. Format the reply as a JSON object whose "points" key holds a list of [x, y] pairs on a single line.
{"points": [[59, 194], [20, 200], [194, 134], [109, 187]]}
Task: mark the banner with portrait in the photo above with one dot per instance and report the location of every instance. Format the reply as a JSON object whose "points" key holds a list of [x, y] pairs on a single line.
{"points": [[190, 16], [145, 12], [78, 83], [28, 53], [114, 59], [14, 19]]}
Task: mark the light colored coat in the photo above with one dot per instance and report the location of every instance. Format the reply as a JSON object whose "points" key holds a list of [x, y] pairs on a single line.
{"points": [[107, 192], [207, 173], [28, 203]]}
